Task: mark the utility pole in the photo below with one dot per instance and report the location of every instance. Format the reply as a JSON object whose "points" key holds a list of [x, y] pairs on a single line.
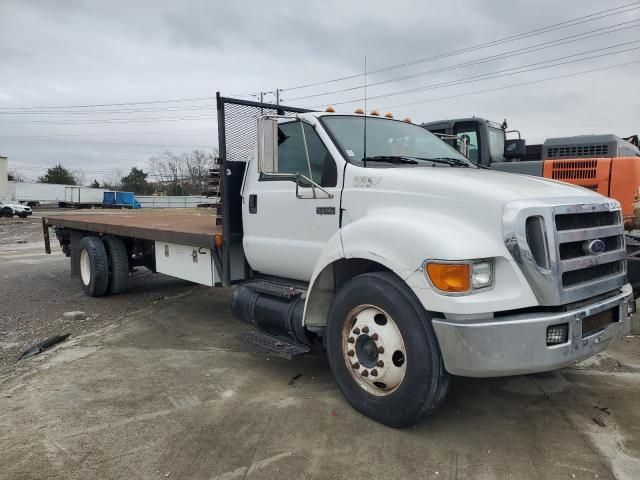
{"points": [[277, 96]]}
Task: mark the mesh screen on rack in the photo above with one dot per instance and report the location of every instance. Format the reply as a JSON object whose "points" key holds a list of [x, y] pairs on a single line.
{"points": [[240, 123]]}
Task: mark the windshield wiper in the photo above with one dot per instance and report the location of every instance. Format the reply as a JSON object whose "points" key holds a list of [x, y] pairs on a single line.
{"points": [[452, 161], [390, 159]]}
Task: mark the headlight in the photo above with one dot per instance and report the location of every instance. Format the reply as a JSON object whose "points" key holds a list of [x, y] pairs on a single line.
{"points": [[481, 275], [463, 277]]}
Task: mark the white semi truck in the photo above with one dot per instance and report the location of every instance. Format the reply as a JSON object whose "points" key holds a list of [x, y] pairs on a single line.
{"points": [[374, 238]]}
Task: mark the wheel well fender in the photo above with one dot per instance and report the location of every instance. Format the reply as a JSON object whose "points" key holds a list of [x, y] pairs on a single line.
{"points": [[327, 283]]}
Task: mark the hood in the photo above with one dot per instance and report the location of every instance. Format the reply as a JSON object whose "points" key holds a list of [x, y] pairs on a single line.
{"points": [[465, 202], [473, 185]]}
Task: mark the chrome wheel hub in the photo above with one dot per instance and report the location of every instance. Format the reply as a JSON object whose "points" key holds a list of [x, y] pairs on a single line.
{"points": [[374, 350]]}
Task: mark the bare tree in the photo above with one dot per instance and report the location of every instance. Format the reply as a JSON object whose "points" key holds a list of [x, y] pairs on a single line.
{"points": [[79, 176], [15, 176], [113, 181], [181, 174]]}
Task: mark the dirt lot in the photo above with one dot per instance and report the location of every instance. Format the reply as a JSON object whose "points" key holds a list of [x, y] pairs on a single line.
{"points": [[154, 384]]}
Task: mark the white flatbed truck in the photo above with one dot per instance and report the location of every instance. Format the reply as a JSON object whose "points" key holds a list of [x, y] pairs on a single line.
{"points": [[406, 261]]}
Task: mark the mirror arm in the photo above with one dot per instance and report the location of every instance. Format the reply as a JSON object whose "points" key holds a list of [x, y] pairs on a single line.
{"points": [[314, 185], [306, 153]]}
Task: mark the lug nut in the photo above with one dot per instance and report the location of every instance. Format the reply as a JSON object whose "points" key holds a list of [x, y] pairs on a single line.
{"points": [[351, 353], [355, 366], [380, 349], [380, 364], [356, 331], [365, 373], [365, 329], [350, 340], [374, 337], [374, 373]]}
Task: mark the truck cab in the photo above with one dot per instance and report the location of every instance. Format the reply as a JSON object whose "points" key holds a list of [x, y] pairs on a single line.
{"points": [[494, 262], [485, 139]]}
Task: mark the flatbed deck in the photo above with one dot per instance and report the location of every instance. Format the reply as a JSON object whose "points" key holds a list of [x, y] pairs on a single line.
{"points": [[193, 229]]}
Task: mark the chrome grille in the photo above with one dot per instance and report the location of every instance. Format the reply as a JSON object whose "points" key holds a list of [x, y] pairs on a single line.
{"points": [[551, 244], [574, 231]]}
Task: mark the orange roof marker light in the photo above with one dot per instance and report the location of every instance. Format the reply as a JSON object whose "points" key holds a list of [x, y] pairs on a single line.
{"points": [[375, 113], [407, 120], [359, 111], [330, 109], [388, 115]]}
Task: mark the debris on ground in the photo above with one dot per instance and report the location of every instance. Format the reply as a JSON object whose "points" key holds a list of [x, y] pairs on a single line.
{"points": [[597, 421], [75, 315], [294, 378], [603, 409], [38, 348]]}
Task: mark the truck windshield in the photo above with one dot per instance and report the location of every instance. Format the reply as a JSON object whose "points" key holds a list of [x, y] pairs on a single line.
{"points": [[388, 140]]}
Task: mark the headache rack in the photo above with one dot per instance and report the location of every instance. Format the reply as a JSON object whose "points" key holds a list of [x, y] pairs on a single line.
{"points": [[237, 140]]}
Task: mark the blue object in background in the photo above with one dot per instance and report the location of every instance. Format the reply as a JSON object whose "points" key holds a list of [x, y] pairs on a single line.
{"points": [[120, 200]]}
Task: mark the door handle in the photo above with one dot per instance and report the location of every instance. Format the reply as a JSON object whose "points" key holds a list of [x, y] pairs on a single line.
{"points": [[253, 203]]}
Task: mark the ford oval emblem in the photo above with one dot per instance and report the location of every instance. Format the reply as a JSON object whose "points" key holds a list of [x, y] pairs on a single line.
{"points": [[594, 247]]}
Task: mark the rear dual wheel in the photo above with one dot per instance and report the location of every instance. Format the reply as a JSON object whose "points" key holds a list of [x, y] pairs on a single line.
{"points": [[383, 351], [94, 266], [104, 265]]}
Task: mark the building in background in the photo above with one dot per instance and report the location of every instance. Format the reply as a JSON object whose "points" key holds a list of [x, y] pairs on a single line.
{"points": [[4, 177]]}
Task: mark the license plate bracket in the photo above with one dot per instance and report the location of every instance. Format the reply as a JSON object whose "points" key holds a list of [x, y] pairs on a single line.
{"points": [[599, 321]]}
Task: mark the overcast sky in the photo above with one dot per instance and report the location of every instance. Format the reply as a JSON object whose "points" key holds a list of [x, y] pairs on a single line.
{"points": [[69, 53]]}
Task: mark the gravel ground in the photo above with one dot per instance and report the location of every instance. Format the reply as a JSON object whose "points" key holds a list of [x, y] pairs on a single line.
{"points": [[36, 290]]}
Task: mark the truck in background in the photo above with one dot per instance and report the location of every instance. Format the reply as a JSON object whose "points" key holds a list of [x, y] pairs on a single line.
{"points": [[404, 259], [34, 194], [82, 197], [120, 200], [606, 164]]}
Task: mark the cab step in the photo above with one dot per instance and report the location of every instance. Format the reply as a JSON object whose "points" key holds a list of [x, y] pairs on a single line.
{"points": [[275, 289], [271, 344]]}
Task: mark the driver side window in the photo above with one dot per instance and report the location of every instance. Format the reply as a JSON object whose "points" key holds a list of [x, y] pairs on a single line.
{"points": [[292, 158]]}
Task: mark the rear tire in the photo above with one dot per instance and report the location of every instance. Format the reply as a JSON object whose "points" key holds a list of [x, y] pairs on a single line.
{"points": [[118, 264], [94, 266], [404, 353]]}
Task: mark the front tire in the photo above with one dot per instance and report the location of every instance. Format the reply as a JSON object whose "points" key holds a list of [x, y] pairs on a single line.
{"points": [[383, 351], [94, 266]]}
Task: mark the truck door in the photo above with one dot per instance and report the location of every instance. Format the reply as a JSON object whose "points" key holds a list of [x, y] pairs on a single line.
{"points": [[287, 220]]}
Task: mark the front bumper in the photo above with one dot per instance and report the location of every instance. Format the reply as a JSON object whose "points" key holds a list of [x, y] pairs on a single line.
{"points": [[516, 344]]}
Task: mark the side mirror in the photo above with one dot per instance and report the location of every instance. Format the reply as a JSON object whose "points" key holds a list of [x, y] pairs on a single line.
{"points": [[268, 144], [515, 148]]}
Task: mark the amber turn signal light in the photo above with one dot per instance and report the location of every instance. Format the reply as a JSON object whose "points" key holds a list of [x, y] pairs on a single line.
{"points": [[450, 277]]}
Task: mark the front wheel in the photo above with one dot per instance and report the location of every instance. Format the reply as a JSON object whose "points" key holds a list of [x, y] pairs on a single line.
{"points": [[383, 351]]}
